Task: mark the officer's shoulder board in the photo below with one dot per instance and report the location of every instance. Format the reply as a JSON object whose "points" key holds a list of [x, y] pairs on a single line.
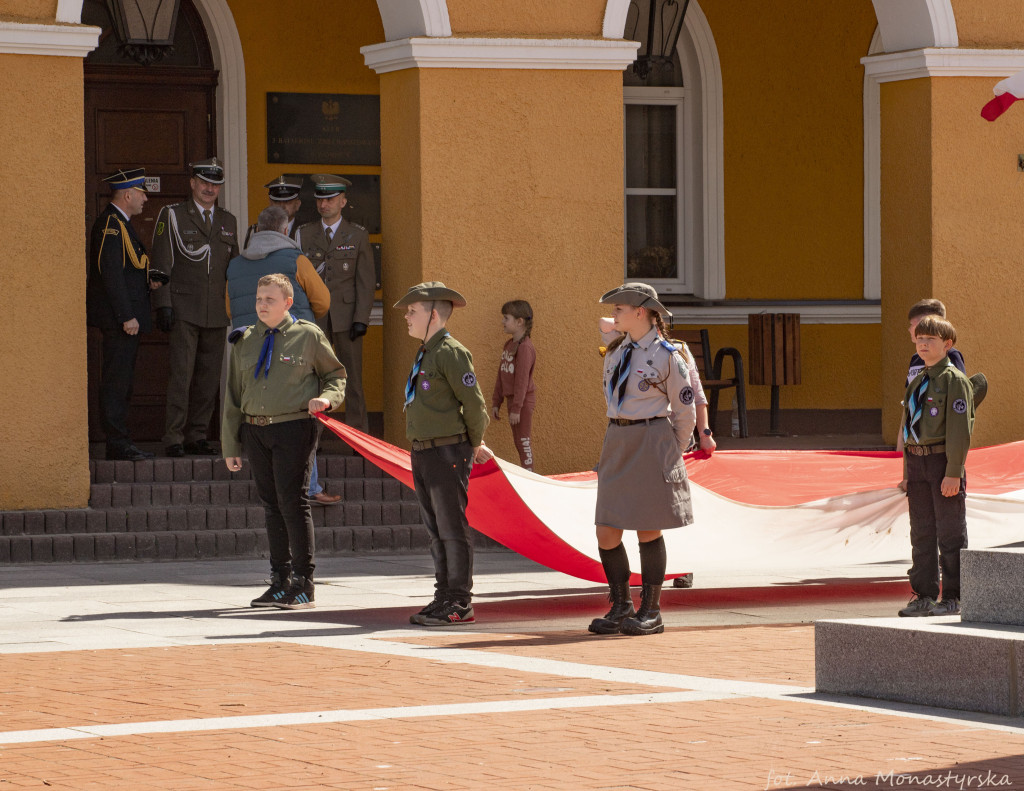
{"points": [[356, 225]]}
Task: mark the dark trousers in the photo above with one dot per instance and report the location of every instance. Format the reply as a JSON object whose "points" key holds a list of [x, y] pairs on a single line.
{"points": [[193, 379], [350, 354], [441, 478], [938, 527], [279, 455], [116, 382]]}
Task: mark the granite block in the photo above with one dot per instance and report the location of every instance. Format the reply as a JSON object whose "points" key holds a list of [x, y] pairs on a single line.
{"points": [[124, 471], [85, 548], [989, 589], [63, 549], [21, 549], [42, 549], [120, 495], [106, 546], [145, 546], [54, 522], [99, 495]]}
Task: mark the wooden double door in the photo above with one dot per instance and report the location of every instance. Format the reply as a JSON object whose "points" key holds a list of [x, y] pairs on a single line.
{"points": [[160, 119]]}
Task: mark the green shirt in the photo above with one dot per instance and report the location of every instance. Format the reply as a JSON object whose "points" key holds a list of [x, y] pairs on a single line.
{"points": [[303, 366], [447, 397], [947, 416]]}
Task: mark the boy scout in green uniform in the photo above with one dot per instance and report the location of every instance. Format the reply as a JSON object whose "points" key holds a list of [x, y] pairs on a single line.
{"points": [[282, 372], [938, 422], [193, 242], [445, 417]]}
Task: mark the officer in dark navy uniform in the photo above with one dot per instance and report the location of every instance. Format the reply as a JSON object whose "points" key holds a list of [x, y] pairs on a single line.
{"points": [[117, 302], [284, 192]]}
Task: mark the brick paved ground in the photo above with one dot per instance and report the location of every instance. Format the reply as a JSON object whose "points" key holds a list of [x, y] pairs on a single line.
{"points": [[286, 704]]}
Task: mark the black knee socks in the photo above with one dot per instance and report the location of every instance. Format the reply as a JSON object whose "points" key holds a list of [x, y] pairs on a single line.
{"points": [[616, 564], [653, 559]]}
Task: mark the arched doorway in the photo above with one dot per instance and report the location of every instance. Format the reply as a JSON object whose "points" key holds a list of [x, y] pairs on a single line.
{"points": [[160, 117]]}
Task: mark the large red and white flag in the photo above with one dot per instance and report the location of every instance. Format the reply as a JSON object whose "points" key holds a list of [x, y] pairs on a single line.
{"points": [[1007, 92]]}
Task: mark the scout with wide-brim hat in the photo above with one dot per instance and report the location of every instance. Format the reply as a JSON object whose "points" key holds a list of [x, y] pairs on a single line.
{"points": [[133, 178], [327, 185], [284, 188], [210, 170], [432, 291], [638, 295]]}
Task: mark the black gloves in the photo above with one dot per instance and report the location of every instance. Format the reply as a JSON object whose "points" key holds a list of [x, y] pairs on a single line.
{"points": [[357, 330], [165, 318]]}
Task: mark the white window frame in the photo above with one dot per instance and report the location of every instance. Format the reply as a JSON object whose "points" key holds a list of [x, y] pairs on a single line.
{"points": [[672, 97]]}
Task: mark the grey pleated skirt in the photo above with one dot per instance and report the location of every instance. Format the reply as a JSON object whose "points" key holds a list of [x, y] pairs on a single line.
{"points": [[641, 479]]}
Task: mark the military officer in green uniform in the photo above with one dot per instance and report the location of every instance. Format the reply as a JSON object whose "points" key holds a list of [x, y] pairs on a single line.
{"points": [[340, 252], [284, 192], [193, 242], [282, 372], [445, 418]]}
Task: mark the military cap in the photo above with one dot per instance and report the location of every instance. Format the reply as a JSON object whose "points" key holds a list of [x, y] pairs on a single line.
{"points": [[284, 188], [431, 291], [211, 170], [639, 295], [327, 186], [135, 178]]}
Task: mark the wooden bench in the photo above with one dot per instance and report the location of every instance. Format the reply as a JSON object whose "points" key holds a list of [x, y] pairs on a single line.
{"points": [[712, 380]]}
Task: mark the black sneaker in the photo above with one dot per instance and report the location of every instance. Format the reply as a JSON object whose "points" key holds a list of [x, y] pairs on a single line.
{"points": [[298, 597], [435, 605], [278, 588], [918, 607], [946, 607], [451, 613]]}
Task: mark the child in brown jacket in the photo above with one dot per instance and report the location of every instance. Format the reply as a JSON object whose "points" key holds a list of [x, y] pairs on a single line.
{"points": [[515, 377]]}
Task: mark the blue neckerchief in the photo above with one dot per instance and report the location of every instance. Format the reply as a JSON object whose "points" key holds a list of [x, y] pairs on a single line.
{"points": [[267, 354]]}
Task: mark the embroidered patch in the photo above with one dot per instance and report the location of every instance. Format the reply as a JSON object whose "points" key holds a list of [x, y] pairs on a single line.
{"points": [[644, 386], [468, 379], [160, 228], [959, 406], [682, 368], [110, 232], [933, 411], [686, 396], [344, 266], [425, 384]]}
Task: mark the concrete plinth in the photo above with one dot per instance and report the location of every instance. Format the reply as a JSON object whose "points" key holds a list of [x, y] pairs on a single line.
{"points": [[988, 586]]}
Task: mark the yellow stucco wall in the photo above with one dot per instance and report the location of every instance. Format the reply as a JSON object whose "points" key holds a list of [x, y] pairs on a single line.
{"points": [[38, 11], [793, 146], [44, 453], [569, 18], [989, 23], [504, 207]]}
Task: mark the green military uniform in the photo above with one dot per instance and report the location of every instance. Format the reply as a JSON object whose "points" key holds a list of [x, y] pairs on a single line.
{"points": [[272, 376], [935, 447], [446, 416], [303, 367], [194, 250]]}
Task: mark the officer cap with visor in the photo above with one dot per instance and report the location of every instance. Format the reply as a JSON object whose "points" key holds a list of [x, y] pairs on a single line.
{"points": [[326, 185], [284, 188], [134, 178], [210, 170]]}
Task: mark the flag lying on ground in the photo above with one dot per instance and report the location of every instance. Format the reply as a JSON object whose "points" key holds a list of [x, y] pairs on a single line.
{"points": [[1007, 92], [753, 510]]}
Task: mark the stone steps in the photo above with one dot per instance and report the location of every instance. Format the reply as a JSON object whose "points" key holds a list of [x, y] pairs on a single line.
{"points": [[971, 662], [193, 507]]}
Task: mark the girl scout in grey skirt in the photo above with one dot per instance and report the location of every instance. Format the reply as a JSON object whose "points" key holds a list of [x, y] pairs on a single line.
{"points": [[641, 478]]}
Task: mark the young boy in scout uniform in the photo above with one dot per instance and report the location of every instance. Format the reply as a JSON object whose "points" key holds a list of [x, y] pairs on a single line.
{"points": [[445, 418], [193, 242], [938, 420], [340, 251], [282, 372]]}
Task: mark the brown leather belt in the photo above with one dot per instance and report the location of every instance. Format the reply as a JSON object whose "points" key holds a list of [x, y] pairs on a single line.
{"points": [[620, 421], [267, 420], [438, 442], [924, 450]]}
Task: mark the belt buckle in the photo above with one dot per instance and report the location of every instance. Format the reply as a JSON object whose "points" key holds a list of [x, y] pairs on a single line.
{"points": [[262, 420]]}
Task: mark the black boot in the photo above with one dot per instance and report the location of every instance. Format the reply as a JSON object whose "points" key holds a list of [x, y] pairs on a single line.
{"points": [[622, 608], [648, 618], [616, 571], [280, 581]]}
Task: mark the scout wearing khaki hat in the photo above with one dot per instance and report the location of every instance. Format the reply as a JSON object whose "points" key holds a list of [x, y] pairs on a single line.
{"points": [[445, 419], [639, 295]]}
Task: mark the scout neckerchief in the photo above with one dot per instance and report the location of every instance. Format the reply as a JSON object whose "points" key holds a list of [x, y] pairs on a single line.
{"points": [[915, 408], [617, 382], [410, 385], [266, 353]]}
